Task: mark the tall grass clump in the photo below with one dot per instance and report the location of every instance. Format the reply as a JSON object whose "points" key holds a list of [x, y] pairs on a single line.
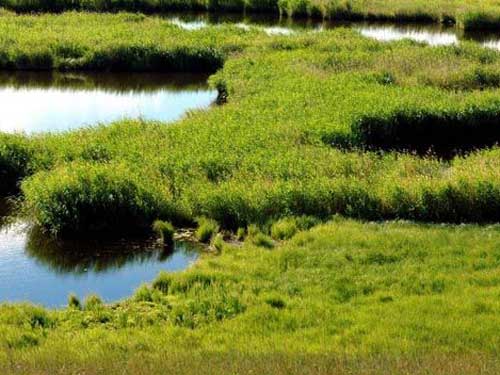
{"points": [[207, 228], [442, 131], [481, 20], [217, 242], [92, 302], [15, 157], [164, 230], [262, 240], [83, 198], [74, 302], [284, 229]]}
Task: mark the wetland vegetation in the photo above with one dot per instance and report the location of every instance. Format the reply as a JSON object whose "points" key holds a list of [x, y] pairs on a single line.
{"points": [[470, 14], [349, 191]]}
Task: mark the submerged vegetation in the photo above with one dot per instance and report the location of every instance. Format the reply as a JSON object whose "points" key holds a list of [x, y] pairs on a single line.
{"points": [[314, 125]]}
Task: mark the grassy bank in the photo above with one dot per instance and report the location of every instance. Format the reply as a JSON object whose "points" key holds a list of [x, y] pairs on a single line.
{"points": [[343, 297], [473, 14]]}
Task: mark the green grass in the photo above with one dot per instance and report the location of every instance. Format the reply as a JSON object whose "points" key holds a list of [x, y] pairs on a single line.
{"points": [[164, 230], [312, 128], [301, 112], [207, 229], [353, 297]]}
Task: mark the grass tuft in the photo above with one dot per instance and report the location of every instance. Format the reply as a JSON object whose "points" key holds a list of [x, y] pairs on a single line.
{"points": [[74, 302], [207, 229], [164, 230], [92, 302]]}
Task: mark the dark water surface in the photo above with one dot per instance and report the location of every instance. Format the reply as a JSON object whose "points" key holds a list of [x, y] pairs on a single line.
{"points": [[41, 102], [434, 34], [43, 271]]}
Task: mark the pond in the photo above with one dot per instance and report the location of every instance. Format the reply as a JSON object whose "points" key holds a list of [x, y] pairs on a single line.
{"points": [[433, 34], [42, 102], [37, 269]]}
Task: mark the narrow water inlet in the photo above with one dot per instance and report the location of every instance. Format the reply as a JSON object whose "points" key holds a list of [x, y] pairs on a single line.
{"points": [[43, 102], [432, 34]]}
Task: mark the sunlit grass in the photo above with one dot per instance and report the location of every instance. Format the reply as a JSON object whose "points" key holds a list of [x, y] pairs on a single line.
{"points": [[343, 294], [308, 132]]}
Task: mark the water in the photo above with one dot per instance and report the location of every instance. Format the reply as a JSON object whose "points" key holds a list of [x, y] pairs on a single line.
{"points": [[41, 102], [433, 34], [44, 271]]}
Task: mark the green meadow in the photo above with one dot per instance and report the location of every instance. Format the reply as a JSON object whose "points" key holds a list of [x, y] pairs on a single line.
{"points": [[349, 190], [343, 297]]}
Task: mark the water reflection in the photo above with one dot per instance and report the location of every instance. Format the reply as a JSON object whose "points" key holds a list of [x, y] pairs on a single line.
{"points": [[424, 34], [96, 256], [433, 34], [36, 102], [42, 270]]}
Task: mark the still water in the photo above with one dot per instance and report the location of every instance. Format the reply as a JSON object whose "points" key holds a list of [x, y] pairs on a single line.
{"points": [[44, 271], [41, 102], [433, 34]]}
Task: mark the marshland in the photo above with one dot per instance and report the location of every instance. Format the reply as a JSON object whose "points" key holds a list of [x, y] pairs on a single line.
{"points": [[311, 190]]}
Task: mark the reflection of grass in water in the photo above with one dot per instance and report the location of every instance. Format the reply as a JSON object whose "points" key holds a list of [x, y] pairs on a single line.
{"points": [[81, 257], [7, 206], [108, 82]]}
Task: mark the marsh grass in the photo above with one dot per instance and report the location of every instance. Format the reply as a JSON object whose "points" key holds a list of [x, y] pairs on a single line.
{"points": [[473, 14], [366, 296], [262, 240], [164, 230], [74, 302], [207, 229], [217, 242], [267, 154], [284, 229], [445, 133], [93, 302], [15, 154], [334, 296]]}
